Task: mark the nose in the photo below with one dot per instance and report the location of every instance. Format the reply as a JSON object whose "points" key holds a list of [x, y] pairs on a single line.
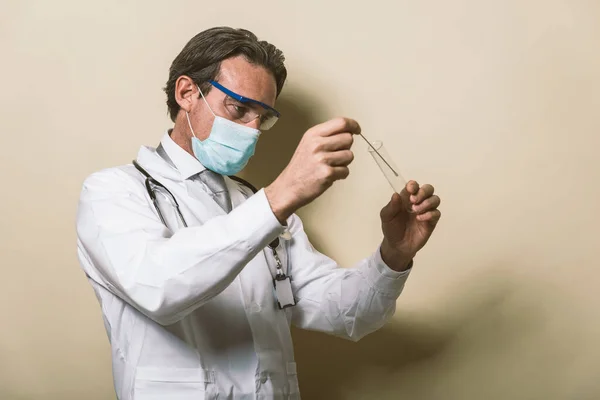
{"points": [[255, 123]]}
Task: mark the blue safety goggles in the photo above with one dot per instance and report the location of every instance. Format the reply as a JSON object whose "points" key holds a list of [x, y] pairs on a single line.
{"points": [[242, 108]]}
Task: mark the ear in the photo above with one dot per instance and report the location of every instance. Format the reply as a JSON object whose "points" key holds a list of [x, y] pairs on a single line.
{"points": [[186, 92]]}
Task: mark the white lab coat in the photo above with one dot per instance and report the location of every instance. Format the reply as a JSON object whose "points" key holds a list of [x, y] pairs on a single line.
{"points": [[190, 312]]}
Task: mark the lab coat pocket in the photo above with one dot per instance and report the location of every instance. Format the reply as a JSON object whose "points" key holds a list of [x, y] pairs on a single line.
{"points": [[154, 383]]}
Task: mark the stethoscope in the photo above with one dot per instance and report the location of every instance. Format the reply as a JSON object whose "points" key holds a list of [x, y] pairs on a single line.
{"points": [[150, 181]]}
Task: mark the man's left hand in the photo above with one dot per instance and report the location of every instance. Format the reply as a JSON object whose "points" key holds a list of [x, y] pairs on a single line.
{"points": [[408, 221]]}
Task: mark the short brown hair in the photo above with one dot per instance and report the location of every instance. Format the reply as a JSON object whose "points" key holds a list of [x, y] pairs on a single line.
{"points": [[201, 59]]}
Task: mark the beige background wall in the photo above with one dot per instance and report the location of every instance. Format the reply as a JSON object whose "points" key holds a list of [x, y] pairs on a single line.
{"points": [[494, 102]]}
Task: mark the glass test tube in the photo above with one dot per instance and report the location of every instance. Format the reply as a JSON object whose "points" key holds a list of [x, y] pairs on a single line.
{"points": [[396, 180]]}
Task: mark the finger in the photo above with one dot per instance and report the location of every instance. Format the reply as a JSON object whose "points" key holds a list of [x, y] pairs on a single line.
{"points": [[424, 192], [336, 125], [431, 217], [340, 141], [340, 158], [340, 173], [391, 209], [428, 204], [412, 187]]}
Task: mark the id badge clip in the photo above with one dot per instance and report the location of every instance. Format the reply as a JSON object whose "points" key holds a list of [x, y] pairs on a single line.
{"points": [[282, 282]]}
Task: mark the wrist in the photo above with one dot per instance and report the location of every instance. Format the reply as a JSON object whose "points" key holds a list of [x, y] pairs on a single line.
{"points": [[282, 208], [394, 259]]}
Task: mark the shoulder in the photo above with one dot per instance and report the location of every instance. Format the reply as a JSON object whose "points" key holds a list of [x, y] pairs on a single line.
{"points": [[120, 179]]}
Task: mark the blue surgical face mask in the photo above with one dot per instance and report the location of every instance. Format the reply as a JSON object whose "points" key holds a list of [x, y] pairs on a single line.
{"points": [[228, 147]]}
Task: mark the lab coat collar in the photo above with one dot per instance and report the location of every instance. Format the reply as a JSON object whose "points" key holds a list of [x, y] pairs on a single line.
{"points": [[182, 165], [186, 164], [155, 165]]}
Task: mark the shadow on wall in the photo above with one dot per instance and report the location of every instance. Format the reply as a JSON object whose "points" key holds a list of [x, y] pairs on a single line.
{"points": [[398, 359], [274, 150], [330, 367], [277, 145], [395, 361]]}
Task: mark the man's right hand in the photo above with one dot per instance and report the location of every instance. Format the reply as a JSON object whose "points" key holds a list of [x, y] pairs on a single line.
{"points": [[321, 158]]}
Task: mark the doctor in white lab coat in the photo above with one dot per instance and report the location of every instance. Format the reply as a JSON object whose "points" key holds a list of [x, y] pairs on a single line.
{"points": [[186, 261]]}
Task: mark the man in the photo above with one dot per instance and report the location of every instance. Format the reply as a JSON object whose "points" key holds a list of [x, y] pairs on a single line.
{"points": [[199, 276]]}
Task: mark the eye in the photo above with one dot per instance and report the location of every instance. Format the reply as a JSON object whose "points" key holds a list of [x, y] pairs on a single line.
{"points": [[237, 110], [241, 109]]}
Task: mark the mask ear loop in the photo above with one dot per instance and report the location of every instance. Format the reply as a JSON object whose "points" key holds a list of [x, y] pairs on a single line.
{"points": [[190, 124], [204, 98], [187, 115]]}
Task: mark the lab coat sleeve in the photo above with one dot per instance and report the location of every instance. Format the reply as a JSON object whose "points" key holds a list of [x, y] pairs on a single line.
{"points": [[346, 302], [124, 247]]}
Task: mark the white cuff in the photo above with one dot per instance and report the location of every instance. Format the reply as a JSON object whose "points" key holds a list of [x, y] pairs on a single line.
{"points": [[383, 278], [256, 218]]}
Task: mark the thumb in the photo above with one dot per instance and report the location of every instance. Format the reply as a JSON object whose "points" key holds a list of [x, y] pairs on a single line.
{"points": [[391, 209]]}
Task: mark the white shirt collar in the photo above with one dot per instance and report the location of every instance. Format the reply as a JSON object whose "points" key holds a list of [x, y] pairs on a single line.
{"points": [[186, 164]]}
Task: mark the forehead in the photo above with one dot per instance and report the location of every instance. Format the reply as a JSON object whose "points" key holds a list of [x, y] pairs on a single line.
{"points": [[247, 79]]}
